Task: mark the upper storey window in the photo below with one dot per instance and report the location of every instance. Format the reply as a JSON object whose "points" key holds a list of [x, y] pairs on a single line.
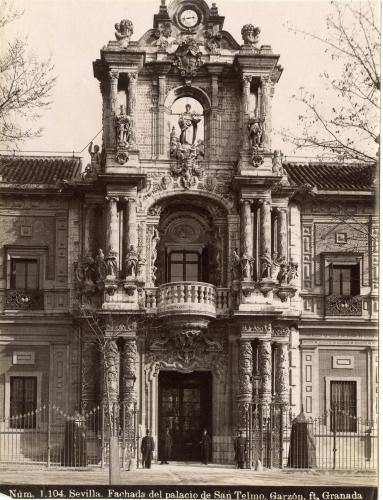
{"points": [[24, 274], [344, 280]]}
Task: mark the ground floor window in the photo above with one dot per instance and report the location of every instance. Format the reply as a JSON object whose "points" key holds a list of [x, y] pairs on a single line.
{"points": [[343, 405], [23, 401]]}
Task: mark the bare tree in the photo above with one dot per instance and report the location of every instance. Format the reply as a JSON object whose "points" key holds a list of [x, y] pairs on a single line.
{"points": [[345, 123], [25, 84]]}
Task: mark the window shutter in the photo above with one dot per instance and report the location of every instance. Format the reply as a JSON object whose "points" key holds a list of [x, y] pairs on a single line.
{"points": [[355, 280], [330, 278]]}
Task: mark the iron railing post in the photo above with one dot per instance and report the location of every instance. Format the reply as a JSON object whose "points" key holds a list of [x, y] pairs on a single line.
{"points": [[334, 437], [102, 437], [49, 435]]}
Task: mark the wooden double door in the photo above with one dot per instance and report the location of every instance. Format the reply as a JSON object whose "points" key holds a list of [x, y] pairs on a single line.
{"points": [[185, 409]]}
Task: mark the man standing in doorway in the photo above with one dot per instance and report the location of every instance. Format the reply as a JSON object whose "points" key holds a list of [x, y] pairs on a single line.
{"points": [[147, 448], [240, 449], [205, 447]]}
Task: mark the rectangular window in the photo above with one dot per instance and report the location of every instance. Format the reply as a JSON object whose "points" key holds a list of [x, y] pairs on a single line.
{"points": [[343, 406], [184, 266], [23, 402], [24, 274], [344, 280]]}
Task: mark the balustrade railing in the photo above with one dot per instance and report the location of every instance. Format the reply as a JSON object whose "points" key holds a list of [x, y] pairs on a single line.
{"points": [[188, 295]]}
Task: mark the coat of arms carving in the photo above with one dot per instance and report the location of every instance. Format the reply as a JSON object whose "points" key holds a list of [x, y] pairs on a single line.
{"points": [[188, 59]]}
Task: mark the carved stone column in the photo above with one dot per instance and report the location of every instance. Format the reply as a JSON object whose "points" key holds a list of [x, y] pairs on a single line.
{"points": [[265, 228], [132, 90], [88, 228], [245, 371], [111, 372], [282, 372], [129, 356], [130, 226], [246, 241], [112, 226], [267, 89], [89, 364], [282, 232], [113, 80], [161, 115], [265, 363], [246, 101], [129, 395], [105, 117]]}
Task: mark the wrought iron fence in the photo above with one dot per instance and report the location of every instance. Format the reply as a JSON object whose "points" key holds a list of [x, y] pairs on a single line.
{"points": [[52, 437], [335, 440]]}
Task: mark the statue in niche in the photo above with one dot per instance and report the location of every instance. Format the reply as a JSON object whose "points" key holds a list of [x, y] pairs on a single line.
{"points": [[174, 143], [131, 263], [188, 123], [255, 132], [124, 31], [250, 35], [124, 125], [235, 266], [247, 266]]}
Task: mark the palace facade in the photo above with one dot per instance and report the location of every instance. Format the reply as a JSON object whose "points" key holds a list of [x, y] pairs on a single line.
{"points": [[218, 274]]}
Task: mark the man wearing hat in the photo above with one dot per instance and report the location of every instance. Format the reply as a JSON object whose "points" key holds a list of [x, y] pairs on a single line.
{"points": [[240, 449], [147, 448]]}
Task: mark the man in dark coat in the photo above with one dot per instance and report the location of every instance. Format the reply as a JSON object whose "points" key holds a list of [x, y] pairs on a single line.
{"points": [[167, 444], [240, 449], [147, 448], [205, 447]]}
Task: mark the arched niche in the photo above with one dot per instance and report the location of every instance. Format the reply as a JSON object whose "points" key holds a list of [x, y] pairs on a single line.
{"points": [[187, 232], [200, 106]]}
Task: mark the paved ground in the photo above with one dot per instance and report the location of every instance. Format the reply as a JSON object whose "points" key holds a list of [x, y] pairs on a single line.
{"points": [[185, 474]]}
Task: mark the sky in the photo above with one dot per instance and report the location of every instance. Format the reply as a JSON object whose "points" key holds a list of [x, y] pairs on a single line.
{"points": [[72, 33]]}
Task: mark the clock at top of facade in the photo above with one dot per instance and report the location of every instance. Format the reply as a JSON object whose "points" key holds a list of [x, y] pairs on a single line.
{"points": [[189, 18]]}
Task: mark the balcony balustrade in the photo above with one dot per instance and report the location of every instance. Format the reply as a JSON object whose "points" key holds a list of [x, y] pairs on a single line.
{"points": [[342, 305], [188, 297], [18, 299]]}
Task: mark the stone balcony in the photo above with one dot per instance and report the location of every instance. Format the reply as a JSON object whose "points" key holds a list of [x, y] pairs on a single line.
{"points": [[188, 298]]}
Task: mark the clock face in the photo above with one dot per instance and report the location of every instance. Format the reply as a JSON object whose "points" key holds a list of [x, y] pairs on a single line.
{"points": [[189, 18]]}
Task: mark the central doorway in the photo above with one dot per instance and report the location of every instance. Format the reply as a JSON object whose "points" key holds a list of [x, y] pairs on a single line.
{"points": [[184, 408]]}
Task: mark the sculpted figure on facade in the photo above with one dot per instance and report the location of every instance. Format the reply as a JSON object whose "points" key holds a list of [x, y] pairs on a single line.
{"points": [[131, 263], [293, 273], [275, 266], [235, 266], [100, 265], [188, 123], [95, 157], [124, 31], [213, 41], [124, 126], [164, 36], [277, 166], [247, 262], [111, 371], [283, 273], [255, 132], [250, 35], [111, 266], [267, 263]]}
